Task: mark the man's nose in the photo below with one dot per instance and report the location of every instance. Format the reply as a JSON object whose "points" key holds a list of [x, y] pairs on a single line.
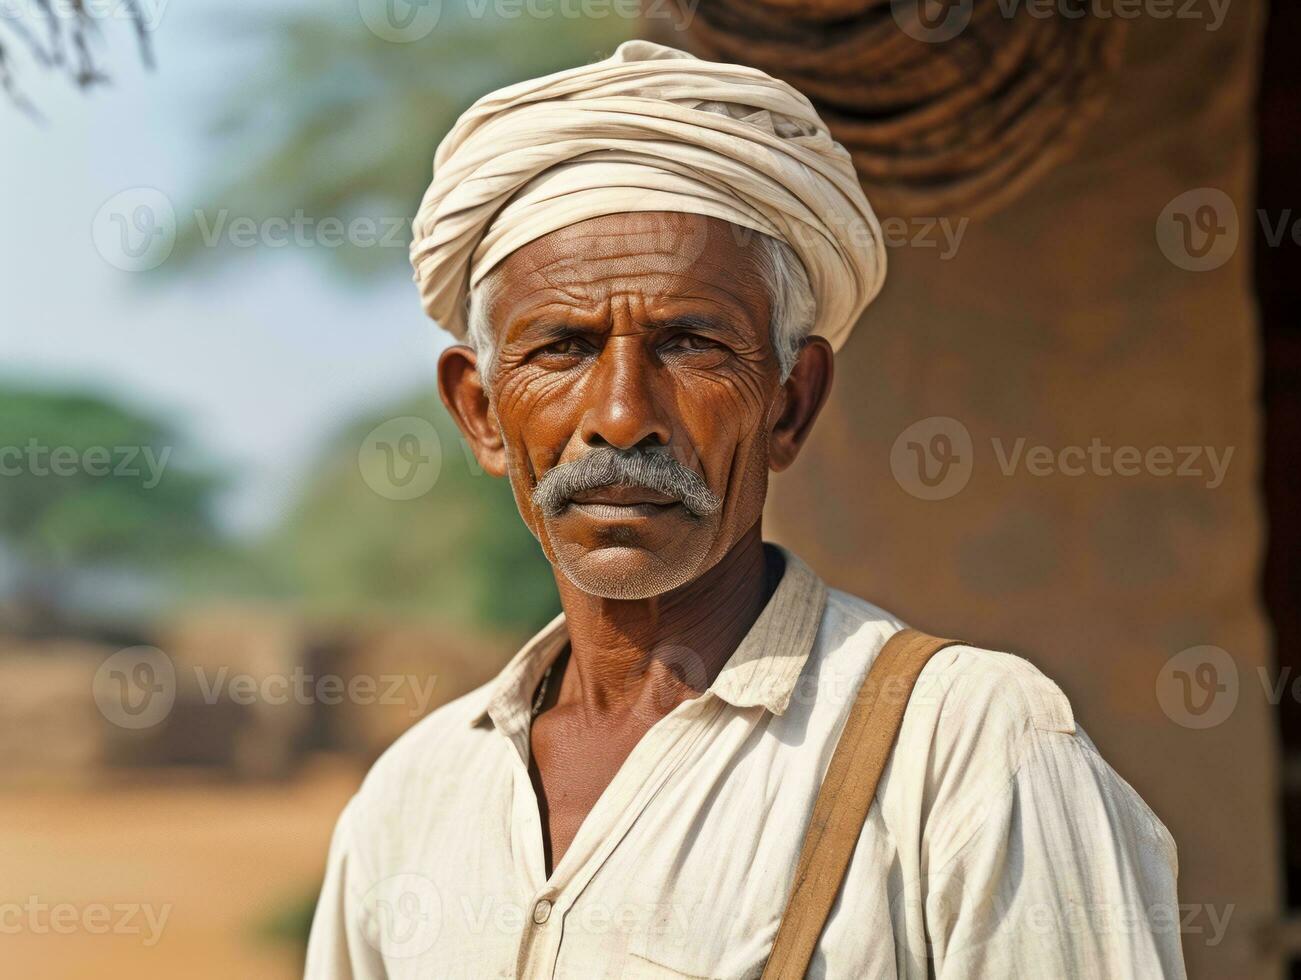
{"points": [[624, 411]]}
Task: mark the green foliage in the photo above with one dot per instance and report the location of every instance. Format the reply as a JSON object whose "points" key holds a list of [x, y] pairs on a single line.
{"points": [[459, 552], [86, 482], [339, 123], [290, 922]]}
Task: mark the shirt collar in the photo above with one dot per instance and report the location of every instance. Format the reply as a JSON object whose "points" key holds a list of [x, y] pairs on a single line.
{"points": [[771, 656], [763, 670]]}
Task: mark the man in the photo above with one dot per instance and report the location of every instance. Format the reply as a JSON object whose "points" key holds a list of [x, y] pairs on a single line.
{"points": [[653, 259]]}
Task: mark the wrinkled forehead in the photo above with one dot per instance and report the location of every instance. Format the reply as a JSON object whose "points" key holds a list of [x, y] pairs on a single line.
{"points": [[660, 258]]}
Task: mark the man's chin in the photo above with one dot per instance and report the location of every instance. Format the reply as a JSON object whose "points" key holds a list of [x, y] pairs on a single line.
{"points": [[632, 571]]}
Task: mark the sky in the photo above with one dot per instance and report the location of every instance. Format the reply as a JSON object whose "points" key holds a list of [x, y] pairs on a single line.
{"points": [[258, 364]]}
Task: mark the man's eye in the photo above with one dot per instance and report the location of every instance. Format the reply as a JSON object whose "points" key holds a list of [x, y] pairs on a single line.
{"points": [[566, 347], [693, 342]]}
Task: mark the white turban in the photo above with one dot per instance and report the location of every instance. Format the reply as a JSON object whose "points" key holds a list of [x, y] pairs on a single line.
{"points": [[650, 128]]}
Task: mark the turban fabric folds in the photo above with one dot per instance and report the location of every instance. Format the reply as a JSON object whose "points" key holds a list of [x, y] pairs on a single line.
{"points": [[649, 129]]}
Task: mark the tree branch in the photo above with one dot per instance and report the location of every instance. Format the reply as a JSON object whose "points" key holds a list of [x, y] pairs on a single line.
{"points": [[68, 47]]}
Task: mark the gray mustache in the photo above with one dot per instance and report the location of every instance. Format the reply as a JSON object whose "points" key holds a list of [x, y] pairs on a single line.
{"points": [[652, 470]]}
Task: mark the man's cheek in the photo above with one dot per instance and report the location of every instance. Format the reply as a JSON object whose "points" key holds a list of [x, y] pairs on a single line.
{"points": [[544, 415], [744, 385], [524, 439], [736, 429], [732, 410], [520, 392], [749, 470], [521, 485]]}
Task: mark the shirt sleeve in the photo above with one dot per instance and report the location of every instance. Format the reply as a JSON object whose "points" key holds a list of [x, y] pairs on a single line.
{"points": [[338, 947], [1068, 874]]}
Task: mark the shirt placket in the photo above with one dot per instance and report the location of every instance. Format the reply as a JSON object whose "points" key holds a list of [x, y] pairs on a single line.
{"points": [[659, 754]]}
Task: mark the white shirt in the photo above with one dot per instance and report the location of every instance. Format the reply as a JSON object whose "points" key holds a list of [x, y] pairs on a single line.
{"points": [[1000, 843]]}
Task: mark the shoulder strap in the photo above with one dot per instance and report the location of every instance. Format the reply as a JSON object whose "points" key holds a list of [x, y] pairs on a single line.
{"points": [[846, 796]]}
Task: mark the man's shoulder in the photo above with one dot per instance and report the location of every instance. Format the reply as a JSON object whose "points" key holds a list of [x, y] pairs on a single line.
{"points": [[1005, 692], [993, 737], [978, 721], [963, 682], [974, 716]]}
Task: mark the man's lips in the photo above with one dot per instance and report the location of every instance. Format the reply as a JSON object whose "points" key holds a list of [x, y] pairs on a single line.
{"points": [[622, 503], [622, 497]]}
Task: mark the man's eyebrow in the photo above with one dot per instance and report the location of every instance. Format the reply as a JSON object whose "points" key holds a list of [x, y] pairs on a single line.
{"points": [[549, 326], [705, 323]]}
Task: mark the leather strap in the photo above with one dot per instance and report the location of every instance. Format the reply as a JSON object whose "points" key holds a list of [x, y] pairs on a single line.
{"points": [[846, 796]]}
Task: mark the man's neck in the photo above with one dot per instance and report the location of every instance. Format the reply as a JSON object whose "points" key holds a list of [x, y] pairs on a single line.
{"points": [[643, 657]]}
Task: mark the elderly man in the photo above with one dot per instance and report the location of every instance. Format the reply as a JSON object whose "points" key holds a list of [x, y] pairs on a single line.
{"points": [[652, 260]]}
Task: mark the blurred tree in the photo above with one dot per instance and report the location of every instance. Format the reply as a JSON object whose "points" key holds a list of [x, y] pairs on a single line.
{"points": [[341, 123], [458, 550], [57, 35], [85, 485]]}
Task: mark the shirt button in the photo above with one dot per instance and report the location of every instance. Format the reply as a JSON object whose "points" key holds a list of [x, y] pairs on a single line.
{"points": [[542, 911]]}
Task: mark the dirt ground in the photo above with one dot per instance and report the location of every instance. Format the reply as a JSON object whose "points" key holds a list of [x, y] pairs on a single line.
{"points": [[176, 877]]}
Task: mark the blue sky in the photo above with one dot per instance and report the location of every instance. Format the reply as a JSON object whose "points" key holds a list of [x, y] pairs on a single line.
{"points": [[258, 363]]}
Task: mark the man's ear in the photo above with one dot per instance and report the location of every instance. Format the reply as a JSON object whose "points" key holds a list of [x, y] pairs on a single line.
{"points": [[461, 388], [802, 397]]}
